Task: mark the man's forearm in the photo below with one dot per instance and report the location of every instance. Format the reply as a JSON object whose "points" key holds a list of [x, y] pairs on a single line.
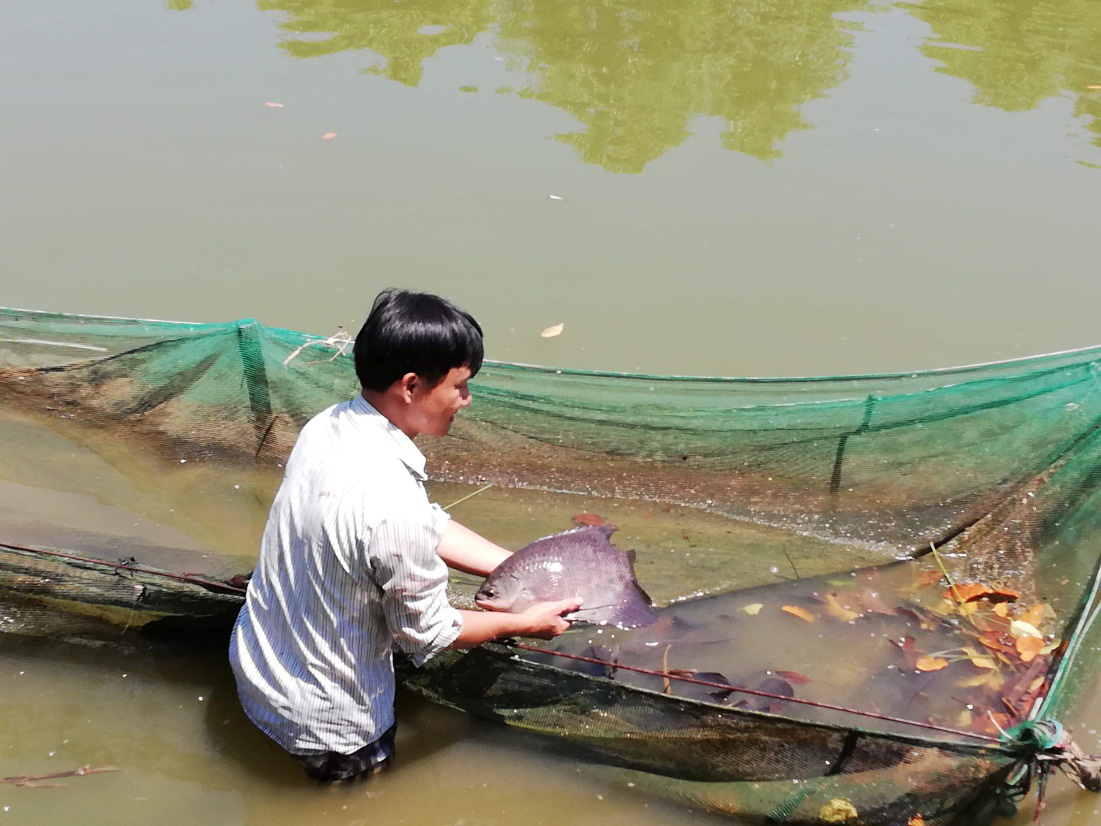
{"points": [[464, 550]]}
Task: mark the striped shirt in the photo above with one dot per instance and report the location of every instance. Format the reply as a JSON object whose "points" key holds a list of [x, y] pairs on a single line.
{"points": [[348, 568]]}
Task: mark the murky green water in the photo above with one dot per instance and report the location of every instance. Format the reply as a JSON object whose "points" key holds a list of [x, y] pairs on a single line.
{"points": [[735, 188]]}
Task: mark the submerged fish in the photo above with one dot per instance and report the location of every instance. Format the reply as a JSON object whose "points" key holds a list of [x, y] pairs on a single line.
{"points": [[579, 563]]}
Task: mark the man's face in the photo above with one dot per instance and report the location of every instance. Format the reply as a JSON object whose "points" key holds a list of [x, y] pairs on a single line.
{"points": [[434, 408]]}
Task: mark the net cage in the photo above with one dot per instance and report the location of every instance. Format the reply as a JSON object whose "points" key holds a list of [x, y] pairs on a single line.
{"points": [[876, 594]]}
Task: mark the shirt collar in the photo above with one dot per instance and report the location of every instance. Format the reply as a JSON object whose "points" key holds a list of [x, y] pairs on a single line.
{"points": [[406, 450]]}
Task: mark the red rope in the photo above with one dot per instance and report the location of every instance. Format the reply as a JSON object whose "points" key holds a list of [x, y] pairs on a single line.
{"points": [[122, 566], [725, 687]]}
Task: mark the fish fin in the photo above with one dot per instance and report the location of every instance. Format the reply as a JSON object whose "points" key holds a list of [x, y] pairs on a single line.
{"points": [[631, 555], [632, 613]]}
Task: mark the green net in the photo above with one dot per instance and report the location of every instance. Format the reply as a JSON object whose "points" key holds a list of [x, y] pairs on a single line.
{"points": [[865, 584]]}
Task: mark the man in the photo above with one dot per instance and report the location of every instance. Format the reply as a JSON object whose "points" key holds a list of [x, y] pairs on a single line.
{"points": [[352, 557]]}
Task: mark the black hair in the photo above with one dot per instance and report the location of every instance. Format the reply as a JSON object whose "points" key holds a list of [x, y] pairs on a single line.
{"points": [[419, 333]]}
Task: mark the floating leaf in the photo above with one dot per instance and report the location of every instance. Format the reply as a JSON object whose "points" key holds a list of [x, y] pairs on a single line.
{"points": [[931, 663], [838, 611], [968, 591], [1033, 616], [997, 641], [272, 105], [983, 662], [838, 811], [589, 519], [754, 609], [796, 611], [552, 331], [1020, 628], [793, 677], [1003, 595], [1029, 647], [1002, 609], [328, 136]]}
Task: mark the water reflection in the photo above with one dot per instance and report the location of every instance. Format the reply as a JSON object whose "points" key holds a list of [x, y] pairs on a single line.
{"points": [[403, 32], [1018, 54], [634, 74]]}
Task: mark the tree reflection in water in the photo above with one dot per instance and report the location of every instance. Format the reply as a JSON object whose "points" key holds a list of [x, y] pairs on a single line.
{"points": [[635, 74]]}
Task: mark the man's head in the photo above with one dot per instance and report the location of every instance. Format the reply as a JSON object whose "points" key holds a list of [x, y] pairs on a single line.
{"points": [[418, 350]]}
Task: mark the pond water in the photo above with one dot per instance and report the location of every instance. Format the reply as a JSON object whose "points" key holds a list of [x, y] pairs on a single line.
{"points": [[742, 188]]}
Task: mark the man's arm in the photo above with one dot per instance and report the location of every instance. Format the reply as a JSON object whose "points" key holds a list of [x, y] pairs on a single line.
{"points": [[467, 551], [543, 620]]}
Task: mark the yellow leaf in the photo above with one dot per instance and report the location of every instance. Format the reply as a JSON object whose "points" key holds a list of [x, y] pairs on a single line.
{"points": [[1019, 628], [754, 609], [931, 663], [983, 662], [965, 719], [838, 611], [1029, 647], [328, 136], [1034, 616], [838, 811], [796, 611], [1001, 609], [1094, 86], [551, 332]]}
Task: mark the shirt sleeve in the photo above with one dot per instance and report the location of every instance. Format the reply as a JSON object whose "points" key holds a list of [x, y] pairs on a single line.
{"points": [[413, 580]]}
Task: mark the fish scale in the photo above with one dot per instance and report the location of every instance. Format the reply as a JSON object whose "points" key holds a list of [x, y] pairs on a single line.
{"points": [[576, 563]]}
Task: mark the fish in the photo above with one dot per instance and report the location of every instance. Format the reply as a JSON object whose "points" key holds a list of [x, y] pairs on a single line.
{"points": [[579, 563]]}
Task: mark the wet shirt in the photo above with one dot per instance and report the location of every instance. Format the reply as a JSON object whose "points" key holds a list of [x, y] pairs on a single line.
{"points": [[348, 568]]}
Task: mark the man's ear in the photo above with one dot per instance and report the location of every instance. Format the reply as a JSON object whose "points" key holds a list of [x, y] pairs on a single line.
{"points": [[407, 384]]}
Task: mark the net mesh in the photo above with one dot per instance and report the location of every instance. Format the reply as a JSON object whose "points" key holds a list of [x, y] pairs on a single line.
{"points": [[955, 513]]}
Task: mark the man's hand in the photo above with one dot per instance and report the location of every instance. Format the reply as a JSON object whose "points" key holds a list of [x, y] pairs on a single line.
{"points": [[544, 619]]}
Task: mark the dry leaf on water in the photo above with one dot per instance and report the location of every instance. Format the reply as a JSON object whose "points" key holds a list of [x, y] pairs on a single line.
{"points": [[552, 331], [1029, 647], [931, 663], [590, 519], [328, 136], [1002, 609], [1033, 616], [971, 591], [754, 609], [1020, 628], [796, 611], [838, 611]]}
